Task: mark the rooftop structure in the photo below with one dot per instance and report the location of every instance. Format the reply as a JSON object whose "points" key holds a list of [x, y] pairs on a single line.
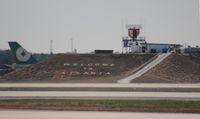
{"points": [[134, 44]]}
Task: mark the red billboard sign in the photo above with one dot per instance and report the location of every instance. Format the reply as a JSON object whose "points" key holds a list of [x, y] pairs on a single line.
{"points": [[133, 32]]}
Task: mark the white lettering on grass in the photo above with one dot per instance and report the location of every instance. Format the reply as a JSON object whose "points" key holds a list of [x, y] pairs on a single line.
{"points": [[105, 65], [66, 64], [75, 64]]}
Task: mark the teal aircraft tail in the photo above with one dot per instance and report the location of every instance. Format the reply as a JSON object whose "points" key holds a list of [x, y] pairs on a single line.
{"points": [[22, 56]]}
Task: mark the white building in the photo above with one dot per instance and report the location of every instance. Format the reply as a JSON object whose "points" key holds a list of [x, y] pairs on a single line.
{"points": [[138, 46], [143, 47]]}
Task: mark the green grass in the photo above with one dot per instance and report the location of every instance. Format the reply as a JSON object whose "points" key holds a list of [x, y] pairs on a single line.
{"points": [[103, 105]]}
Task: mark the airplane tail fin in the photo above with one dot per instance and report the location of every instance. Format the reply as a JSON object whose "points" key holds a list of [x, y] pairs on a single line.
{"points": [[21, 55]]}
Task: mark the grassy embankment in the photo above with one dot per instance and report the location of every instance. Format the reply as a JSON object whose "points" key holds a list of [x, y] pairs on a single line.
{"points": [[105, 105]]}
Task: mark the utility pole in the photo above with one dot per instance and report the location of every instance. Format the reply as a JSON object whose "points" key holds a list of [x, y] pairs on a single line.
{"points": [[51, 47]]}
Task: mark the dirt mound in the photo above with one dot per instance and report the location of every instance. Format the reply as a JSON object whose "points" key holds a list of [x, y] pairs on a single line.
{"points": [[176, 68], [79, 68]]}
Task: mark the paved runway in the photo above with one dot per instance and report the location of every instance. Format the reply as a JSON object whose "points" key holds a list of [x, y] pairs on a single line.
{"points": [[103, 85], [22, 114], [98, 95]]}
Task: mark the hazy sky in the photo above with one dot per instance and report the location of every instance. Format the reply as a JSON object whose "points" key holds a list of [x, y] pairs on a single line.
{"points": [[95, 24]]}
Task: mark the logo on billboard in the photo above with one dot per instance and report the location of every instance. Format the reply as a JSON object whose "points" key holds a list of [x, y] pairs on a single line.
{"points": [[133, 30]]}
